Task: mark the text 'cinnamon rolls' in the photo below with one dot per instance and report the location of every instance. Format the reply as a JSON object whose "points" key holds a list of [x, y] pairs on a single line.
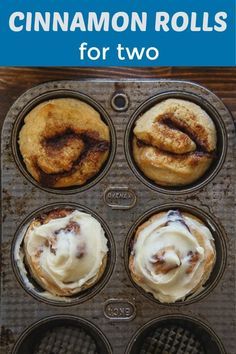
{"points": [[174, 142], [64, 142], [65, 251], [172, 256]]}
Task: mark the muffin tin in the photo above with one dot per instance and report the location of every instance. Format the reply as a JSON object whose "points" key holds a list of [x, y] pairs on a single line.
{"points": [[175, 334], [112, 315], [59, 334]]}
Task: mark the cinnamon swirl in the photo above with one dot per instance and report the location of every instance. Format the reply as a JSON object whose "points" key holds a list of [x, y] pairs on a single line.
{"points": [[64, 142], [173, 254], [65, 251], [174, 142]]}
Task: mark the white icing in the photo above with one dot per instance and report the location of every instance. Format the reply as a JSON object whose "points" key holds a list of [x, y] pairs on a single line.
{"points": [[172, 240], [78, 254]]}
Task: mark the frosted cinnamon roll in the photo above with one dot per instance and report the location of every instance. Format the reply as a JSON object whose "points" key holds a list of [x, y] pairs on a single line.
{"points": [[65, 251], [174, 142], [173, 254], [64, 142]]}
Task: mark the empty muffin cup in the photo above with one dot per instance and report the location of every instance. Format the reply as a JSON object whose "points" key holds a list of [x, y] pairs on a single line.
{"points": [[62, 334], [175, 334], [176, 142], [63, 254], [63, 141], [175, 254]]}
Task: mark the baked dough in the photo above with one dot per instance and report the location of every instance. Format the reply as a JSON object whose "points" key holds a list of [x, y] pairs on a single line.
{"points": [[174, 142], [64, 142], [65, 251], [172, 256]]}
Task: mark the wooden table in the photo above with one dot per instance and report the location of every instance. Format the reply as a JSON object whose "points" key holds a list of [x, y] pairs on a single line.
{"points": [[14, 81]]}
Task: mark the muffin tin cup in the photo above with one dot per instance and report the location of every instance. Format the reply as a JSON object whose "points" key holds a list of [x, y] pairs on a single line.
{"points": [[222, 143], [201, 331], [220, 245], [119, 198], [35, 289], [54, 94], [92, 336]]}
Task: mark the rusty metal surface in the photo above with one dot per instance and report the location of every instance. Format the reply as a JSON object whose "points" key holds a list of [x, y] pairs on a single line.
{"points": [[119, 198]]}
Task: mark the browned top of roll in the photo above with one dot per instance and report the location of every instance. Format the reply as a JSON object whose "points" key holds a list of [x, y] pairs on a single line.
{"points": [[64, 142], [174, 142]]}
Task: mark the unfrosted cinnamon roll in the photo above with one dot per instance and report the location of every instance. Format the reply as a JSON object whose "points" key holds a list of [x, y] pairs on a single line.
{"points": [[65, 251], [173, 254], [174, 142], [64, 142]]}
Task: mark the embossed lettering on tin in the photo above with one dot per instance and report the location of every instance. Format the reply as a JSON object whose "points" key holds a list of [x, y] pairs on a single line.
{"points": [[120, 198], [119, 310]]}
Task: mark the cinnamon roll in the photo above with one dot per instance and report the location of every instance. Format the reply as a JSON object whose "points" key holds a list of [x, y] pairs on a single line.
{"points": [[174, 142], [64, 142], [173, 254], [65, 251]]}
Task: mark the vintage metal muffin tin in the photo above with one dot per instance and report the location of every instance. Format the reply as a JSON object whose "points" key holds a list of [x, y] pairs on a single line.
{"points": [[117, 316]]}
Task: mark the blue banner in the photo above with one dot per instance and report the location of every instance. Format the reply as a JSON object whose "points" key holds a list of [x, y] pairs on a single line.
{"points": [[121, 33]]}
